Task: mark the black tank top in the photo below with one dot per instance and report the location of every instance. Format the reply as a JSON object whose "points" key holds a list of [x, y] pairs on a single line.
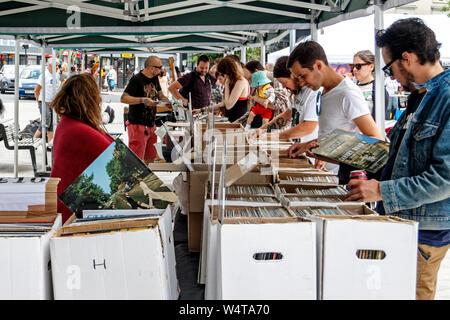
{"points": [[238, 110]]}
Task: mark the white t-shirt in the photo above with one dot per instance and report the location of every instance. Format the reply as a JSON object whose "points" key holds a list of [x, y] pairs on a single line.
{"points": [[50, 92], [391, 85], [305, 106], [339, 107], [367, 90], [112, 75]]}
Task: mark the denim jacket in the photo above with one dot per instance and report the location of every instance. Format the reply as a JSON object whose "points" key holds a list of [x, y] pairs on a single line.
{"points": [[419, 188]]}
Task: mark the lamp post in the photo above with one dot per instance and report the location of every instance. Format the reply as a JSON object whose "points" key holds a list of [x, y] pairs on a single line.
{"points": [[25, 47]]}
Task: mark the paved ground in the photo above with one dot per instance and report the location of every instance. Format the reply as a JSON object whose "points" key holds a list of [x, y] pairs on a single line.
{"points": [[29, 111]]}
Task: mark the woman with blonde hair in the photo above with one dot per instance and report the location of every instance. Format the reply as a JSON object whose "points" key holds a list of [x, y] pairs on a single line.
{"points": [[79, 139], [236, 91]]}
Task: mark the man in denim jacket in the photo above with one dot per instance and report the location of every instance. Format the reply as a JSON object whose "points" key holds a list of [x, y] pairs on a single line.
{"points": [[415, 183]]}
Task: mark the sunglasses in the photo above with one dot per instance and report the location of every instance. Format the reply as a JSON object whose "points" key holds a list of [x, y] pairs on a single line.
{"points": [[387, 68], [358, 66], [157, 67]]}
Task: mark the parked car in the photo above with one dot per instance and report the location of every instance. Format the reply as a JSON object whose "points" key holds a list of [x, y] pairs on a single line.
{"points": [[7, 76], [28, 81]]}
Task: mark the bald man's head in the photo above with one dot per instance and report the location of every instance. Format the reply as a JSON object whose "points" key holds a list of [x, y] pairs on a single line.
{"points": [[152, 61], [153, 66]]}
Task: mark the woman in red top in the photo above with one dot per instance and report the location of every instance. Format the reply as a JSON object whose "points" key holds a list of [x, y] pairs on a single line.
{"points": [[79, 139]]}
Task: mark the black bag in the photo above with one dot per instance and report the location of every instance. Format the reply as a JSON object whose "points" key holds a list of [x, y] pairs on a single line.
{"points": [[111, 113], [30, 129]]}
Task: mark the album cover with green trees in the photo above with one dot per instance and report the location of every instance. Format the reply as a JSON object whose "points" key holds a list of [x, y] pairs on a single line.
{"points": [[117, 179]]}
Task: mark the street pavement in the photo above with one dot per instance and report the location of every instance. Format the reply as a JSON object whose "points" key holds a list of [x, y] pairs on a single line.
{"points": [[28, 110]]}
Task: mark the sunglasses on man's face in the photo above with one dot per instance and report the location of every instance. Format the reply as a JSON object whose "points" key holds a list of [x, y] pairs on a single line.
{"points": [[157, 67], [387, 69], [358, 66]]}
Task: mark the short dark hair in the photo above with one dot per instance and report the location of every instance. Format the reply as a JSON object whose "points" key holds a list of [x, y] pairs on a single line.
{"points": [[306, 53], [203, 58], [280, 69], [411, 35], [253, 66]]}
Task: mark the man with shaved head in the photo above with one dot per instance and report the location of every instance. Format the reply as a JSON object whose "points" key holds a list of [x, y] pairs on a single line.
{"points": [[142, 93]]}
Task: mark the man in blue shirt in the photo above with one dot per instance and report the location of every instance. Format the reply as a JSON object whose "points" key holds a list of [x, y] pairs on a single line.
{"points": [[415, 183]]}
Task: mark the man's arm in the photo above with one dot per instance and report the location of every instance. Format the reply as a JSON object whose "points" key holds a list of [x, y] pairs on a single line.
{"points": [[173, 89], [278, 122], [126, 98], [300, 130], [37, 91], [368, 127]]}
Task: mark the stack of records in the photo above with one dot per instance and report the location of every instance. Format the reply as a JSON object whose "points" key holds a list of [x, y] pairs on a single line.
{"points": [[26, 227], [28, 196]]}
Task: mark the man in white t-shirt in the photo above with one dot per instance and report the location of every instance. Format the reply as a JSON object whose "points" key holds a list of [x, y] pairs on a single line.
{"points": [[340, 105], [50, 93], [111, 78], [392, 86]]}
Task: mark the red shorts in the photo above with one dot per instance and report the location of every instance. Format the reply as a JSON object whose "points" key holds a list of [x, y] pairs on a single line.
{"points": [[141, 144], [266, 113]]}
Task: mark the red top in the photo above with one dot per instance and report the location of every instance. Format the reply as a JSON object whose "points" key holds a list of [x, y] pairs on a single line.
{"points": [[76, 145]]}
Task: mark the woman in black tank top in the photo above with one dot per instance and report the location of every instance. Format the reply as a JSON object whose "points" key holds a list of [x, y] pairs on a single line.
{"points": [[238, 110], [235, 84]]}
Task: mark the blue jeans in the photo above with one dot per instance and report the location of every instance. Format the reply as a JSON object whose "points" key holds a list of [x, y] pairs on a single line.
{"points": [[391, 108]]}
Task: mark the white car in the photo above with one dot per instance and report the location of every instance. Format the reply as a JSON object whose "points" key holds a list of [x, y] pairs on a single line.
{"points": [[28, 81]]}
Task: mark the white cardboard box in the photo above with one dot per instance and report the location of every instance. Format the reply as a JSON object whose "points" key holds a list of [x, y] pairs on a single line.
{"points": [[240, 275], [209, 243], [342, 275], [119, 265], [25, 270]]}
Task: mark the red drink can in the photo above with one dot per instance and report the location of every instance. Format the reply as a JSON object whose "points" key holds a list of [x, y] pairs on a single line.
{"points": [[358, 174]]}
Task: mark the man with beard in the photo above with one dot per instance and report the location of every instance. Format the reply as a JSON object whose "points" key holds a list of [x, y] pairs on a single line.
{"points": [[415, 183], [197, 82]]}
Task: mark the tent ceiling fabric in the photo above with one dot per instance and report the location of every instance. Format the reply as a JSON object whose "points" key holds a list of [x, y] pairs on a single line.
{"points": [[166, 23]]}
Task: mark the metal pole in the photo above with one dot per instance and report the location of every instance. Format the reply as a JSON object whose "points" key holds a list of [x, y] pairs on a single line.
{"points": [[82, 61], [263, 53], [244, 54], [43, 112], [292, 38], [378, 74], [313, 31], [16, 108], [55, 88], [69, 61]]}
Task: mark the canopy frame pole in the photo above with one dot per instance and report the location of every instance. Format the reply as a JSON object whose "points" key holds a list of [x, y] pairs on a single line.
{"points": [[313, 30], [263, 52], [378, 73], [244, 54], [43, 111], [292, 38], [16, 106], [55, 118]]}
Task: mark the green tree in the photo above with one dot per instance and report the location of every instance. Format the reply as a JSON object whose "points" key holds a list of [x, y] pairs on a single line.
{"points": [[124, 167], [83, 193], [447, 8]]}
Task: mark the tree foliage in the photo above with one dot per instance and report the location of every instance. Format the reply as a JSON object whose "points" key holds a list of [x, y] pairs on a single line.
{"points": [[85, 194], [124, 168]]}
